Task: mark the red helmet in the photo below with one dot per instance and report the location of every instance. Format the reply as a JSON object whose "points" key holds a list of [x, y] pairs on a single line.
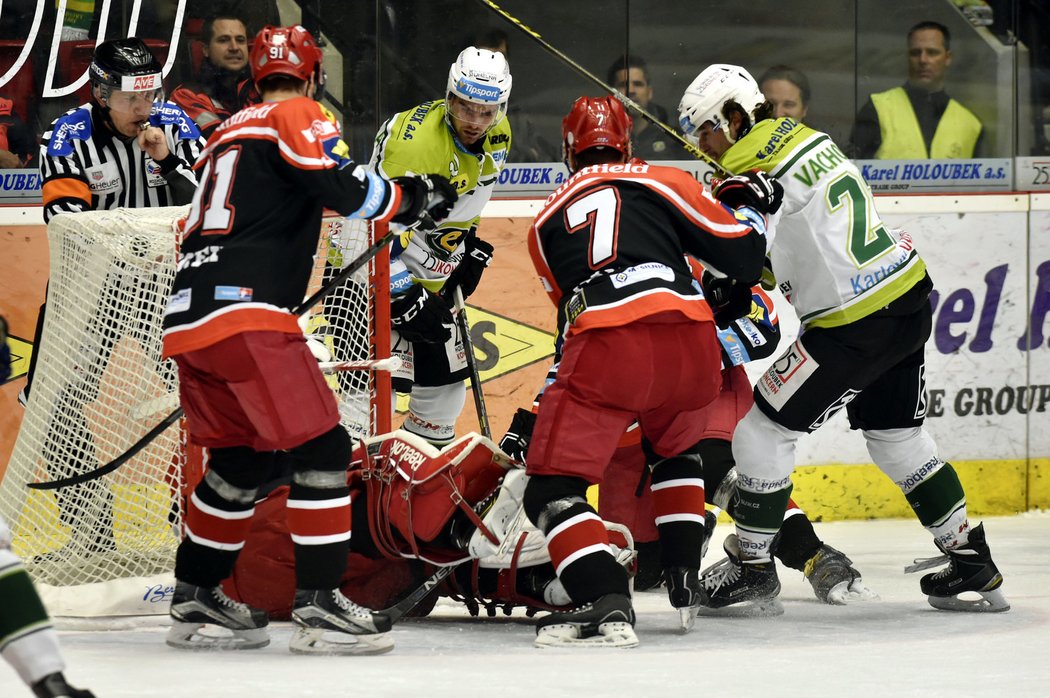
{"points": [[288, 51], [596, 122]]}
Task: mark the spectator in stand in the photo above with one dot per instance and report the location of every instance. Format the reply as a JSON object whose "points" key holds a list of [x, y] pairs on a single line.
{"points": [[630, 75], [787, 90], [918, 120], [16, 142], [223, 85]]}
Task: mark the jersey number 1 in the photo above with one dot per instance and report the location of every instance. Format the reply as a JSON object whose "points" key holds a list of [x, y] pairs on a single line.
{"points": [[599, 211], [218, 213]]}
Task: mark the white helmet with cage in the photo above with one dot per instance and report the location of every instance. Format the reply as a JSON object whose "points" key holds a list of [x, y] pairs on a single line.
{"points": [[481, 77], [706, 96]]}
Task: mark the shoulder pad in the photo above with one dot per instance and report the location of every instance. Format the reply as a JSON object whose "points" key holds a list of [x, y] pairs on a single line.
{"points": [[71, 125], [170, 114]]}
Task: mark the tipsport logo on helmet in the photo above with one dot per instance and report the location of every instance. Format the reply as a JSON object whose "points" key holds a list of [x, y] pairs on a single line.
{"points": [[477, 91]]}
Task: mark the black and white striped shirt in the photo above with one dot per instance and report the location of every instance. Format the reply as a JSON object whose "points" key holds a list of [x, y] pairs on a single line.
{"points": [[86, 166]]}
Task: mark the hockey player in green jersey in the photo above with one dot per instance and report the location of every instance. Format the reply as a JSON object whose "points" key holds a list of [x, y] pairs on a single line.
{"points": [[465, 136], [861, 292]]}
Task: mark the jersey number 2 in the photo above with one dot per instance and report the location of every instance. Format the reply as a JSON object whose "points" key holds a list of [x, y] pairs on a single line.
{"points": [[215, 191], [865, 243], [599, 211]]}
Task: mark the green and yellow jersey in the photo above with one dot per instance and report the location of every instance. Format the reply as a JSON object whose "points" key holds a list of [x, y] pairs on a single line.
{"points": [[834, 259], [419, 141]]}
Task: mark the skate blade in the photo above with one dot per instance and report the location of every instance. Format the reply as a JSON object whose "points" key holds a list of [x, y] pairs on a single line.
{"points": [[845, 593], [989, 602], [688, 618], [760, 608], [609, 635], [206, 637], [331, 642]]}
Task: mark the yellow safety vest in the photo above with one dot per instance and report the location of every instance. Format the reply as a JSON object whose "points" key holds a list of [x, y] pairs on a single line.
{"points": [[955, 137]]}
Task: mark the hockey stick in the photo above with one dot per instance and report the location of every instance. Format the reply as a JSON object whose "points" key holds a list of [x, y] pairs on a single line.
{"points": [[638, 108], [362, 259], [405, 605], [390, 364], [472, 363]]}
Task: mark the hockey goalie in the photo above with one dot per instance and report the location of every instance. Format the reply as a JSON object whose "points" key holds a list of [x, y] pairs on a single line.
{"points": [[416, 509]]}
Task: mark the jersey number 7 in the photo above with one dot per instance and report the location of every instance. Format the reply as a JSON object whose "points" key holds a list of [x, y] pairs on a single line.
{"points": [[599, 212]]}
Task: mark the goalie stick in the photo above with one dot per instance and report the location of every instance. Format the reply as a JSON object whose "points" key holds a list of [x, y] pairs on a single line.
{"points": [[337, 281], [630, 103], [405, 605]]}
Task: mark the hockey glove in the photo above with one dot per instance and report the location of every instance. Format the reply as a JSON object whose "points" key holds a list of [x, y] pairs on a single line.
{"points": [[420, 316], [467, 274], [424, 197], [728, 300], [515, 443], [754, 189]]}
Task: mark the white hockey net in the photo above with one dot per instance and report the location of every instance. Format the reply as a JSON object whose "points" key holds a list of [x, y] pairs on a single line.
{"points": [[107, 547]]}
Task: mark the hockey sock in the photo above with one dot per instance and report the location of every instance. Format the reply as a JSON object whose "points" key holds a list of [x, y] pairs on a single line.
{"points": [[797, 542], [577, 541], [27, 639], [678, 505], [940, 503], [219, 516], [319, 516], [759, 515]]}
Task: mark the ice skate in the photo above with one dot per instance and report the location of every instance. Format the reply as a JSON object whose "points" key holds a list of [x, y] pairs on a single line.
{"points": [[970, 569], [329, 623], [685, 593], [207, 619], [834, 579], [737, 588], [56, 686], [606, 622]]}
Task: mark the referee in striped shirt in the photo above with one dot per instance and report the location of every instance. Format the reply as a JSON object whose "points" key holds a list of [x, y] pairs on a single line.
{"points": [[124, 148]]}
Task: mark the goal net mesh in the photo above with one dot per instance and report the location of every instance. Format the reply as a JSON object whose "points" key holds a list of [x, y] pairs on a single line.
{"points": [[107, 546]]}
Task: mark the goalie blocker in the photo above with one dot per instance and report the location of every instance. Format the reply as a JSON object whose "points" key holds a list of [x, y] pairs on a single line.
{"points": [[416, 507]]}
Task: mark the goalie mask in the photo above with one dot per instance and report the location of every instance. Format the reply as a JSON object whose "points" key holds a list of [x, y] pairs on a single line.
{"points": [[596, 122], [478, 89], [705, 99], [125, 66], [290, 51]]}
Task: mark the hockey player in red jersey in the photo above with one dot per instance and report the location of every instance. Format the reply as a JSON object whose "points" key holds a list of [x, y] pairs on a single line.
{"points": [[610, 247], [248, 383]]}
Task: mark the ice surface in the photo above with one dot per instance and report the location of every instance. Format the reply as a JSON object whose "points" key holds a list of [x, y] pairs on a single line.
{"points": [[898, 646]]}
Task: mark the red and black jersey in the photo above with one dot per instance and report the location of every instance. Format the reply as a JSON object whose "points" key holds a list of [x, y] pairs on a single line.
{"points": [[610, 245], [266, 175], [207, 110]]}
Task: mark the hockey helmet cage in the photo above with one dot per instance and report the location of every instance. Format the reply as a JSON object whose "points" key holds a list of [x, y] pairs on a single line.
{"points": [[596, 122], [290, 51], [483, 77], [126, 65], [707, 95]]}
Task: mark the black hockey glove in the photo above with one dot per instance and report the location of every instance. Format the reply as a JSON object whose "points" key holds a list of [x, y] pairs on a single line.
{"points": [[420, 316], [754, 189], [467, 274], [515, 443], [424, 196], [729, 300]]}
